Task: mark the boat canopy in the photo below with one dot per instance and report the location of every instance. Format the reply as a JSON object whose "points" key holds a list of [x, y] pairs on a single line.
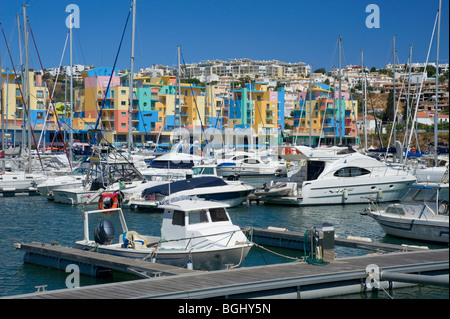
{"points": [[178, 186], [169, 164]]}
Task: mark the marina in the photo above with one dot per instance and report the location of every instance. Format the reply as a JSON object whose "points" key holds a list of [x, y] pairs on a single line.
{"points": [[292, 280], [249, 179], [274, 246]]}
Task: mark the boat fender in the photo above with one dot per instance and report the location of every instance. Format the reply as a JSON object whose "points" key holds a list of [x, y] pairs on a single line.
{"points": [[379, 194], [190, 264], [443, 208], [345, 193], [108, 201]]}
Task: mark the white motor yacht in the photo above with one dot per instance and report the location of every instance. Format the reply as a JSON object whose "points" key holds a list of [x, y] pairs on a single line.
{"points": [[231, 192], [19, 181], [343, 178], [249, 164], [195, 233]]}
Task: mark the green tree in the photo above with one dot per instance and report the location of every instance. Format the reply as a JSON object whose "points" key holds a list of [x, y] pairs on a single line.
{"points": [[320, 70], [388, 114]]}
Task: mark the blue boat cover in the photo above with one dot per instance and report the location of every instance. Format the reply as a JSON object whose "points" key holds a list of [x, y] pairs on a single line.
{"points": [[169, 164], [178, 186]]}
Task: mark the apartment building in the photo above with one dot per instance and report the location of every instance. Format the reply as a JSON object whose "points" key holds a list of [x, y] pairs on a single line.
{"points": [[325, 117], [245, 67], [13, 105]]}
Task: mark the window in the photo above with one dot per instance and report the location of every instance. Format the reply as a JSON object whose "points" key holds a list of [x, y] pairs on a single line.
{"points": [[123, 114], [351, 172], [123, 124], [178, 218], [395, 211], [39, 94], [123, 92], [218, 215], [123, 103], [197, 217]]}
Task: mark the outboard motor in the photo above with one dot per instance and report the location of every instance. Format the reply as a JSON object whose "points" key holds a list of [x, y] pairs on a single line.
{"points": [[104, 233]]}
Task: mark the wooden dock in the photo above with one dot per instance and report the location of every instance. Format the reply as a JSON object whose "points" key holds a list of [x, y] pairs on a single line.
{"points": [[92, 263], [290, 279], [283, 238]]}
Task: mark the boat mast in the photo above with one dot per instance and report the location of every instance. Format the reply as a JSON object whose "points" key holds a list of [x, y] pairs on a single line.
{"points": [[395, 109], [22, 137], [26, 85], [130, 129], [178, 105], [310, 104], [1, 109], [437, 88], [363, 80], [407, 99], [340, 113], [71, 91]]}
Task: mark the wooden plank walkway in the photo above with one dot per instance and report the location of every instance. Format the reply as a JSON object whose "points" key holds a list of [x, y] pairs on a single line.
{"points": [[248, 281], [294, 240]]}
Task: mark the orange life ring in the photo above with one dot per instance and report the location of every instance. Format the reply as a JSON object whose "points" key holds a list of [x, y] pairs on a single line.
{"points": [[112, 202], [288, 151], [413, 150]]}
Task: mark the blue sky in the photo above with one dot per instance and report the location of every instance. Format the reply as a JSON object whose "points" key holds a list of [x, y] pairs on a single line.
{"points": [[285, 30]]}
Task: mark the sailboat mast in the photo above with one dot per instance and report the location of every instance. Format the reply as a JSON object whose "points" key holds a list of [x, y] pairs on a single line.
{"points": [[340, 96], [310, 105], [364, 87], [22, 137], [407, 99], [26, 84], [71, 92], [178, 106], [437, 87], [130, 128], [395, 109]]}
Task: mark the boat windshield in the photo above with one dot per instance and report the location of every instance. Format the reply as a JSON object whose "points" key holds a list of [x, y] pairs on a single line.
{"points": [[80, 171], [426, 195], [197, 217], [203, 170], [218, 214]]}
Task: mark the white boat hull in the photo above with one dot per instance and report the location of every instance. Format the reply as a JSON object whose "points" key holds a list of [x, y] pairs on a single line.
{"points": [[383, 189], [415, 229], [242, 170], [72, 196], [201, 259]]}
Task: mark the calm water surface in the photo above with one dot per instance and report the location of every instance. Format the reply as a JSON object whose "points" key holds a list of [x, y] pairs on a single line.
{"points": [[28, 219]]}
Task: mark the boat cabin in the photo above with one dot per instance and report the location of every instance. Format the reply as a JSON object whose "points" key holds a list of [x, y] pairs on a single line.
{"points": [[188, 222]]}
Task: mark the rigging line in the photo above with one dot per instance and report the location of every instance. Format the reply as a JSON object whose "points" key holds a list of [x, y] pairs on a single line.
{"points": [[421, 84], [195, 100], [10, 39], [112, 71], [23, 99], [81, 48], [52, 102]]}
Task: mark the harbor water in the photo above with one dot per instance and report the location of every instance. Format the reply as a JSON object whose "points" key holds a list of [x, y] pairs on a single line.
{"points": [[35, 219]]}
